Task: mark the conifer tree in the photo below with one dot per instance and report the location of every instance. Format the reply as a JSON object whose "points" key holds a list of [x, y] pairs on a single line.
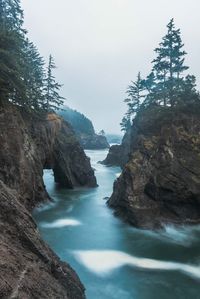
{"points": [[135, 96], [53, 99], [11, 44], [34, 76], [125, 123], [169, 64]]}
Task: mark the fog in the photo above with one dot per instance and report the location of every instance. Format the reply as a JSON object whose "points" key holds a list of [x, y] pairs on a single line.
{"points": [[100, 45]]}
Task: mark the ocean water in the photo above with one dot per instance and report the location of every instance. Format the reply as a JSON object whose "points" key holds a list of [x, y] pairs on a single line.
{"points": [[113, 259]]}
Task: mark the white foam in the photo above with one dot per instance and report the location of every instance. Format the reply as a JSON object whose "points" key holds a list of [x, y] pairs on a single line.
{"points": [[185, 235], [103, 262], [118, 174], [61, 223]]}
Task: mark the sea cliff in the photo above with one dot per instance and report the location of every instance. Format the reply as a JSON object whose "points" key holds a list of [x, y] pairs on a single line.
{"points": [[29, 268]]}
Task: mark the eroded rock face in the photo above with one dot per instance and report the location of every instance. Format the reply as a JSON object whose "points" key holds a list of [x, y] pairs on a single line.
{"points": [[93, 141], [118, 155], [161, 181], [28, 268], [30, 145]]}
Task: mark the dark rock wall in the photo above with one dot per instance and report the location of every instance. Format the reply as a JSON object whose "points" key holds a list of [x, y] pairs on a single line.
{"points": [[93, 141], [28, 268], [118, 155], [30, 145], [161, 181]]}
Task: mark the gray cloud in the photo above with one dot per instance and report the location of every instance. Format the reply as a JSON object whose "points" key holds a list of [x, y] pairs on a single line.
{"points": [[100, 45]]}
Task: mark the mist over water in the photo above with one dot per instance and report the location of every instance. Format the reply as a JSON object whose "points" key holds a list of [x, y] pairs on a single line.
{"points": [[113, 259]]}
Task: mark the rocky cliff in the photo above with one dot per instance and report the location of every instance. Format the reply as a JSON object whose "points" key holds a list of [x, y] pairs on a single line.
{"points": [[118, 155], [161, 182], [84, 129], [28, 268], [93, 142]]}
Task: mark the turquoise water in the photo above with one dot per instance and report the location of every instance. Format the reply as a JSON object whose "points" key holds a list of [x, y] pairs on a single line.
{"points": [[114, 260]]}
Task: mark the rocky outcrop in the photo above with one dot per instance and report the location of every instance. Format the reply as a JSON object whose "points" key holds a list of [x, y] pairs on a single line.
{"points": [[28, 145], [161, 182], [84, 129], [118, 155], [28, 268], [93, 141]]}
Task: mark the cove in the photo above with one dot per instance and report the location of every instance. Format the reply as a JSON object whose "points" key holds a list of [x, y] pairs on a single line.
{"points": [[114, 260]]}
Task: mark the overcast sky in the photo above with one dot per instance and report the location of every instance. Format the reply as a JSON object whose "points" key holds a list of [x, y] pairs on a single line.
{"points": [[100, 45]]}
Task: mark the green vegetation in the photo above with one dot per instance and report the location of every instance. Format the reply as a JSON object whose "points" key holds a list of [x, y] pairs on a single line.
{"points": [[165, 87], [80, 123], [23, 78]]}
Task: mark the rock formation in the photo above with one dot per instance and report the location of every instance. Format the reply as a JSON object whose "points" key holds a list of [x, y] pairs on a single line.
{"points": [[93, 142], [118, 155], [28, 268], [84, 129], [161, 182]]}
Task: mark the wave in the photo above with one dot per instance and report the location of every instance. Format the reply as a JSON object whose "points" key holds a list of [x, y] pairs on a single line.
{"points": [[61, 223], [106, 261], [118, 174]]}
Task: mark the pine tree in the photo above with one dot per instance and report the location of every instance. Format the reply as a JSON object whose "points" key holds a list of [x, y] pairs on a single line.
{"points": [[169, 64], [11, 44], [187, 91], [102, 133], [34, 76], [135, 96], [53, 99], [125, 123], [11, 15]]}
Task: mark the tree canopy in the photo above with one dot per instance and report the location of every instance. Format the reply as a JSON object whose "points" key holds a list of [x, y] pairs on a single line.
{"points": [[24, 81], [167, 85]]}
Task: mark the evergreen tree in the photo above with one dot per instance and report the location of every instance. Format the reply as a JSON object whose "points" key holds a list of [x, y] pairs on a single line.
{"points": [[34, 76], [53, 99], [102, 133], [169, 64], [150, 82], [188, 93], [135, 96], [125, 123], [11, 15], [11, 44]]}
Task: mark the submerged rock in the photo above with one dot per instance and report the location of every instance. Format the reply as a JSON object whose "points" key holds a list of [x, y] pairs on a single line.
{"points": [[29, 269], [160, 183]]}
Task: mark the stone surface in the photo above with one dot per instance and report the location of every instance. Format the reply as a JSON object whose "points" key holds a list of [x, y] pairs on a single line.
{"points": [[118, 155], [93, 141], [161, 182], [28, 268]]}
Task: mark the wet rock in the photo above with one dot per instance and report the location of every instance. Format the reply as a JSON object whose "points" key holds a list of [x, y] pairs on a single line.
{"points": [[28, 267], [93, 141], [161, 181], [118, 155]]}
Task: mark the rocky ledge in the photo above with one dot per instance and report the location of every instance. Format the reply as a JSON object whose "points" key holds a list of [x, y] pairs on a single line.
{"points": [[160, 184], [28, 268]]}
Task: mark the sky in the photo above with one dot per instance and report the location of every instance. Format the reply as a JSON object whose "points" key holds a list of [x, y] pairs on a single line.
{"points": [[99, 46]]}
